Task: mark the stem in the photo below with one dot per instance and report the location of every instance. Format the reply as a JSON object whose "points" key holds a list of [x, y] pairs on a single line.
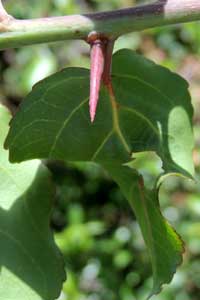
{"points": [[17, 33]]}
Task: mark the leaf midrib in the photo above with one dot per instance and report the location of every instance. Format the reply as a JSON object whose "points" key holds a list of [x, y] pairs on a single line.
{"points": [[116, 125]]}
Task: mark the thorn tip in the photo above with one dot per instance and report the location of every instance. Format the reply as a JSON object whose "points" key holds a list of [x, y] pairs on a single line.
{"points": [[92, 114]]}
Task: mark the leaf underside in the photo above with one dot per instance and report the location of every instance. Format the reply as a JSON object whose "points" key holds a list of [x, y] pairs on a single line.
{"points": [[31, 265], [149, 111]]}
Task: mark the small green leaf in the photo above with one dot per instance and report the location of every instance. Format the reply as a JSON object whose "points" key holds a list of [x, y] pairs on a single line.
{"points": [[150, 110], [31, 265]]}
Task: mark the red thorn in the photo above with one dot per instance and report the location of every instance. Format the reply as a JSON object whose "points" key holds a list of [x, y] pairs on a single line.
{"points": [[97, 67]]}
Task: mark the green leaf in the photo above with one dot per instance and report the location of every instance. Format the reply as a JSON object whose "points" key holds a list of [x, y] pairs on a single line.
{"points": [[31, 265], [153, 113], [164, 244], [150, 110]]}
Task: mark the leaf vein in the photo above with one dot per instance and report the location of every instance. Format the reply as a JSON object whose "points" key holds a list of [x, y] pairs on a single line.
{"points": [[101, 145], [132, 110], [64, 125], [145, 83]]}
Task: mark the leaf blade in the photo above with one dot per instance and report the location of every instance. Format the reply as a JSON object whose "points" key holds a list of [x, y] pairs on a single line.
{"points": [[164, 244], [31, 265]]}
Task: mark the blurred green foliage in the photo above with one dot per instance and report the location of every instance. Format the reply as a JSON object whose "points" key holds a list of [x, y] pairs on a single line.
{"points": [[94, 227]]}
